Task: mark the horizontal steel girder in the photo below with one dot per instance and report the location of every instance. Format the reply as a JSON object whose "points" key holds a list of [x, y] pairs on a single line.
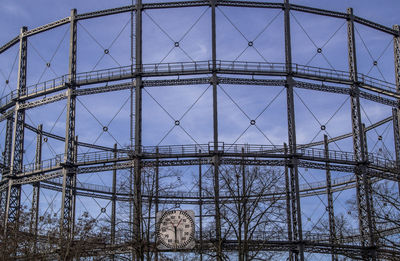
{"points": [[374, 87]]}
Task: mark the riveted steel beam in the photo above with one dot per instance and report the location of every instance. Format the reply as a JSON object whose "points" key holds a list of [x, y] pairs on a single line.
{"points": [[14, 191], [330, 209], [293, 166], [362, 180], [67, 218]]}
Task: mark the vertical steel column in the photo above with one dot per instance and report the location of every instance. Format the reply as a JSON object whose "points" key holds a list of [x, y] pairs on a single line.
{"points": [[8, 145], [137, 190], [200, 209], [362, 183], [396, 135], [288, 200], [331, 214], [69, 170], [368, 187], [74, 184], [114, 199], [36, 188], [157, 196], [396, 129], [365, 143], [245, 221], [293, 167], [214, 82], [7, 166], [396, 47], [239, 211], [132, 91], [14, 191]]}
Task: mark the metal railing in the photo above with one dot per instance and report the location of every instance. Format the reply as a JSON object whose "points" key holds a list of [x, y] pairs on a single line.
{"points": [[98, 156], [199, 67], [47, 164], [104, 75], [196, 150], [180, 67], [207, 194]]}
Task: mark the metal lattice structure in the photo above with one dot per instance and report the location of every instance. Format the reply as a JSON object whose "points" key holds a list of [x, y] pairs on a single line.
{"points": [[260, 187]]}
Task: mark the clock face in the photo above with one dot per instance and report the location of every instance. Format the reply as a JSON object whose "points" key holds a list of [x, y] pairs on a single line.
{"points": [[175, 229]]}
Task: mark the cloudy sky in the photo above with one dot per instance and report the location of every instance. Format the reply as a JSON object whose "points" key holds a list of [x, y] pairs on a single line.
{"points": [[48, 53], [235, 29]]}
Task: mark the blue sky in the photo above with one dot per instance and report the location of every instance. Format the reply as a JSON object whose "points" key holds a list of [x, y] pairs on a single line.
{"points": [[196, 43], [235, 104]]}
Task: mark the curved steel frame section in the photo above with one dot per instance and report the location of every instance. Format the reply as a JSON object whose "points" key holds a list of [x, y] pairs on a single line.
{"points": [[59, 174]]}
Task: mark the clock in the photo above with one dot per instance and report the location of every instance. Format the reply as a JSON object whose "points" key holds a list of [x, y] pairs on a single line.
{"points": [[175, 229]]}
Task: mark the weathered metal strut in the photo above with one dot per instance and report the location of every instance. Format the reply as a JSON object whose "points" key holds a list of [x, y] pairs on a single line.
{"points": [[363, 186], [33, 226], [396, 115], [330, 209], [69, 170], [292, 159], [214, 82], [14, 191], [297, 233], [7, 166], [114, 202], [137, 240]]}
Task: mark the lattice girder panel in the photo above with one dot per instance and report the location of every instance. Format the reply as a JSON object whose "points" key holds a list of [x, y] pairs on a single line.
{"points": [[250, 114]]}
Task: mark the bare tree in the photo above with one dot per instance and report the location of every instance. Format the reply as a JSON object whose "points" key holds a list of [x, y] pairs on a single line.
{"points": [[18, 241], [385, 213], [249, 209], [386, 201], [154, 183]]}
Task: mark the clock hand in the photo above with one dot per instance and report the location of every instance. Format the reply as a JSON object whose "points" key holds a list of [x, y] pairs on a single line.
{"points": [[176, 241], [179, 223]]}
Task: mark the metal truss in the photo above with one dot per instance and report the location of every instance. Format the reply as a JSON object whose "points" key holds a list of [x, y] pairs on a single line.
{"points": [[14, 191], [45, 100], [352, 251], [296, 233], [69, 172], [47, 27], [374, 87], [125, 9], [396, 126], [8, 146], [7, 114], [34, 219], [124, 162], [344, 90], [195, 81], [186, 153], [364, 190], [60, 173], [6, 167]]}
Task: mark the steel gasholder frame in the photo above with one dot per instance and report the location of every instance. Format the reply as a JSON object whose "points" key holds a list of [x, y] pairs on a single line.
{"points": [[366, 167]]}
